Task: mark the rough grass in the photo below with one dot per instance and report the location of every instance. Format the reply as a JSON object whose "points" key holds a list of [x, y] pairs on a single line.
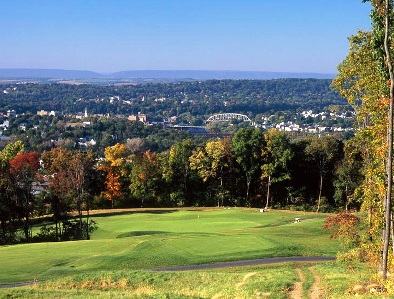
{"points": [[265, 281], [340, 279], [246, 282], [150, 239]]}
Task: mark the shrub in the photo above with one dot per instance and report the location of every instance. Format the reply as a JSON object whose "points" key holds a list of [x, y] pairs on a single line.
{"points": [[345, 227]]}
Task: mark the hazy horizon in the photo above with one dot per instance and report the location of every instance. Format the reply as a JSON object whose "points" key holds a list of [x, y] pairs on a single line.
{"points": [[108, 36]]}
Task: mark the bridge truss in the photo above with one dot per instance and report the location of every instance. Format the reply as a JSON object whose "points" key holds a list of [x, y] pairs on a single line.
{"points": [[227, 117]]}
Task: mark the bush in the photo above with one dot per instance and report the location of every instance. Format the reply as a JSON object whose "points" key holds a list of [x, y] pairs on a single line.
{"points": [[46, 234], [76, 230], [345, 227], [71, 230]]}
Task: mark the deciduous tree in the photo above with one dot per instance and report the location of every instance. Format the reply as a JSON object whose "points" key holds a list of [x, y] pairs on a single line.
{"points": [[247, 145], [211, 163], [177, 172], [24, 168], [276, 156], [323, 153], [146, 183], [114, 167]]}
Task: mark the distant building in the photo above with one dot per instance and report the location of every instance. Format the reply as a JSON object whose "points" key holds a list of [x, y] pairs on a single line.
{"points": [[45, 113], [22, 127], [42, 113], [5, 124], [11, 113], [140, 117]]}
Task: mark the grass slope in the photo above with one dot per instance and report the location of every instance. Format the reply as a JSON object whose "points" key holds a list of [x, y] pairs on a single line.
{"points": [[142, 240]]}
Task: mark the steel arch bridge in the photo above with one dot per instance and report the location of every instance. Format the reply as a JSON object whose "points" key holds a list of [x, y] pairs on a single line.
{"points": [[227, 117]]}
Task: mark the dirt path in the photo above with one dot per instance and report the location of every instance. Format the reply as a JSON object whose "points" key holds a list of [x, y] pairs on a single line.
{"points": [[316, 287], [296, 293], [316, 290]]}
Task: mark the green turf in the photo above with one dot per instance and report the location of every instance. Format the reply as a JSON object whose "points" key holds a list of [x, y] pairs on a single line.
{"points": [[142, 240], [245, 282]]}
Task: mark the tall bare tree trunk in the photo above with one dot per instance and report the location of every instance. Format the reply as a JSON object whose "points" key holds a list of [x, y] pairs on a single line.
{"points": [[320, 192], [268, 192], [386, 239]]}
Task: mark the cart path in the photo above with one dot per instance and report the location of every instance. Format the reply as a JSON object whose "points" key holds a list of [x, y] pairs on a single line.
{"points": [[17, 285], [272, 260]]}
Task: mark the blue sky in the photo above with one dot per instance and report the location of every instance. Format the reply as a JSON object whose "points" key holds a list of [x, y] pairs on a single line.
{"points": [[118, 35]]}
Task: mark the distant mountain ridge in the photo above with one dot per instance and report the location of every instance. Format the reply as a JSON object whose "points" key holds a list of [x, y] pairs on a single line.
{"points": [[48, 73], [155, 74], [206, 75]]}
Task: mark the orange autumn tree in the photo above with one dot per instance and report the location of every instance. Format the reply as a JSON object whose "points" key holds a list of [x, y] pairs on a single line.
{"points": [[114, 167]]}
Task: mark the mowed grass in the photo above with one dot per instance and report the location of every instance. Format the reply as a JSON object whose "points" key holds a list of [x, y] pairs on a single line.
{"points": [[149, 239]]}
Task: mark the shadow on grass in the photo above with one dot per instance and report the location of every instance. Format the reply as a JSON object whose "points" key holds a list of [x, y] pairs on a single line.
{"points": [[131, 211], [153, 232], [141, 233]]}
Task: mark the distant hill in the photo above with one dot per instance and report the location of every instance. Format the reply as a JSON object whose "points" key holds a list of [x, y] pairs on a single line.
{"points": [[155, 74], [207, 75], [48, 74]]}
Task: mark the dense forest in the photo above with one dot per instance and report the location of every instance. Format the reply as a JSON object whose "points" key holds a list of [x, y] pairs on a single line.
{"points": [[194, 101]]}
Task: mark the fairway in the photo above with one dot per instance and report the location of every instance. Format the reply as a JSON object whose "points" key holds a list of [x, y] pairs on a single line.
{"points": [[151, 239]]}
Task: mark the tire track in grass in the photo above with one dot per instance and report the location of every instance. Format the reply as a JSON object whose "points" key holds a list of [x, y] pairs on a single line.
{"points": [[316, 289], [296, 293]]}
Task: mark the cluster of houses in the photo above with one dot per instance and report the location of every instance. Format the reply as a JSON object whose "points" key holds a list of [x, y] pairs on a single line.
{"points": [[290, 126], [83, 119]]}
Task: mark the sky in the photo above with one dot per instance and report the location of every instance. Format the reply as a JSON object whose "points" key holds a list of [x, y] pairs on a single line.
{"points": [[238, 35]]}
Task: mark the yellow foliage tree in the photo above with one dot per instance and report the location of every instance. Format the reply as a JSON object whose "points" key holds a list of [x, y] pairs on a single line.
{"points": [[113, 166]]}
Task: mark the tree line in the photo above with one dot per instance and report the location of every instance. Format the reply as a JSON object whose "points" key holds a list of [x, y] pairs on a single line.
{"points": [[254, 168]]}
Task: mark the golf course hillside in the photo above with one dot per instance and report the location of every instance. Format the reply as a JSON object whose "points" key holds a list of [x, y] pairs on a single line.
{"points": [[135, 240]]}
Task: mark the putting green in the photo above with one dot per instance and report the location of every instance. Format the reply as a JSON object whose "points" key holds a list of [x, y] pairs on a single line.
{"points": [[148, 239]]}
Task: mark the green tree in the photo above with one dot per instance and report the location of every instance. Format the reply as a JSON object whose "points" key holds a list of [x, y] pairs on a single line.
{"points": [[55, 164], [146, 183], [247, 145], [276, 155], [348, 175], [8, 190], [211, 163], [178, 174], [80, 171], [11, 150], [323, 152], [69, 175]]}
